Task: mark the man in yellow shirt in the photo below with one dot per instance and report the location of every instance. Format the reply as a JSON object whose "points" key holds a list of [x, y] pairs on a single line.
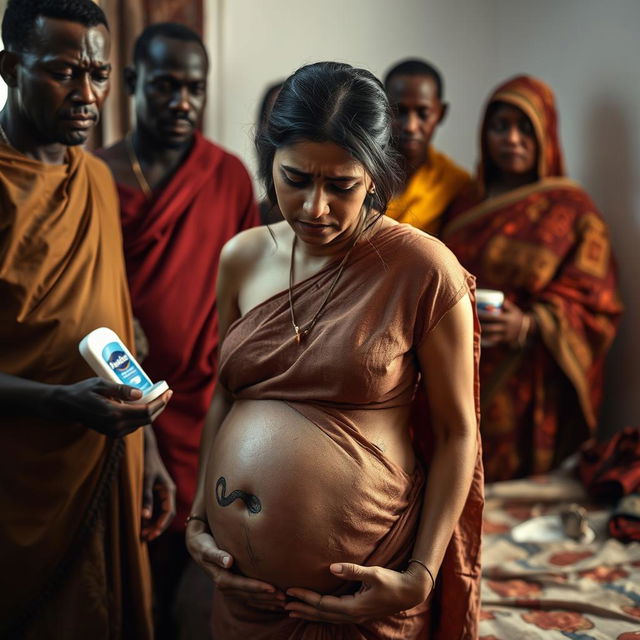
{"points": [[432, 180]]}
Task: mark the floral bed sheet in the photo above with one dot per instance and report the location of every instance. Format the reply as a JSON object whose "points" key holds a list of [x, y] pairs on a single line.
{"points": [[555, 590]]}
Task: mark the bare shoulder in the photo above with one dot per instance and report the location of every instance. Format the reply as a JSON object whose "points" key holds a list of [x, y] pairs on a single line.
{"points": [[251, 247]]}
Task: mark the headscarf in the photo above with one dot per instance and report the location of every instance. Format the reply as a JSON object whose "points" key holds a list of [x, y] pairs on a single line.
{"points": [[536, 100]]}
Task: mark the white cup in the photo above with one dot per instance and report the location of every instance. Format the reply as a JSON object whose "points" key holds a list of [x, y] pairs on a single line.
{"points": [[489, 300]]}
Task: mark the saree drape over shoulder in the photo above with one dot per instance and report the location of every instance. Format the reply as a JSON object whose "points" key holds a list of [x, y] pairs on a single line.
{"points": [[360, 358], [547, 247], [172, 246], [71, 561]]}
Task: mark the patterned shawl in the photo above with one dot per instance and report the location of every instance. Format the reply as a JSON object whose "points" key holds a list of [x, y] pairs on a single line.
{"points": [[547, 247]]}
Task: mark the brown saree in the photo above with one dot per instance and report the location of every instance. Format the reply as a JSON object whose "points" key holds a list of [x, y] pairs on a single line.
{"points": [[547, 247], [358, 359], [71, 561]]}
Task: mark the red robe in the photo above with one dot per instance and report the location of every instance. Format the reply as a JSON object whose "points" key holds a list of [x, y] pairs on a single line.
{"points": [[172, 246]]}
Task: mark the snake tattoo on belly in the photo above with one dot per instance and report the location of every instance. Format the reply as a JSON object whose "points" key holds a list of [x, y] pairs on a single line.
{"points": [[252, 502]]}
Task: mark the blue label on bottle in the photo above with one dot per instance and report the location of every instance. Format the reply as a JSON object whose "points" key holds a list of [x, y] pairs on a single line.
{"points": [[126, 370]]}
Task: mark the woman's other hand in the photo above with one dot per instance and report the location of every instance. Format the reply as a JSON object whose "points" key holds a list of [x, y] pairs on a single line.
{"points": [[384, 592], [217, 563]]}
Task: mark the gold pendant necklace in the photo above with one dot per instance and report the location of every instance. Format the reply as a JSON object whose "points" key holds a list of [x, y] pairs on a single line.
{"points": [[136, 168], [303, 331]]}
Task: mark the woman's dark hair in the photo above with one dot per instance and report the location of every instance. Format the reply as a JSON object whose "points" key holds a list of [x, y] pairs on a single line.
{"points": [[333, 102], [268, 98]]}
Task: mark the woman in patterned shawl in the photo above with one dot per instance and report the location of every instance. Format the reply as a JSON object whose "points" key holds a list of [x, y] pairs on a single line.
{"points": [[527, 230]]}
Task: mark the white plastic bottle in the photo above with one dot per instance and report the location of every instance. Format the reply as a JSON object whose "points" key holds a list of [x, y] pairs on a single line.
{"points": [[110, 359]]}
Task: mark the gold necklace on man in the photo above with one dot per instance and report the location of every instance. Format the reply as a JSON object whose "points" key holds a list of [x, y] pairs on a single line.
{"points": [[4, 137], [136, 168]]}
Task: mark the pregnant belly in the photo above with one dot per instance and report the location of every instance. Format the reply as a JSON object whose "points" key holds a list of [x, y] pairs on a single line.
{"points": [[286, 500]]}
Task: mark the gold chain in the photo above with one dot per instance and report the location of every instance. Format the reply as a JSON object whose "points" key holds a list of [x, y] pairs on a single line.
{"points": [[4, 137], [303, 331], [137, 169]]}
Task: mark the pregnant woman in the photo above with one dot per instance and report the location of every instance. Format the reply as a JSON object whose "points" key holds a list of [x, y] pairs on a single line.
{"points": [[329, 504]]}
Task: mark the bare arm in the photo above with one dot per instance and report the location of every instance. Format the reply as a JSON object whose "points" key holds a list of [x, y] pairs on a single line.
{"points": [[446, 360]]}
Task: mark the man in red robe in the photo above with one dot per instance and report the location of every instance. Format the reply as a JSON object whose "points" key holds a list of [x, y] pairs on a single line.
{"points": [[182, 198]]}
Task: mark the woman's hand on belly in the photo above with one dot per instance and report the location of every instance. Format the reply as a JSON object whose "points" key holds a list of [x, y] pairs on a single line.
{"points": [[217, 563], [383, 592]]}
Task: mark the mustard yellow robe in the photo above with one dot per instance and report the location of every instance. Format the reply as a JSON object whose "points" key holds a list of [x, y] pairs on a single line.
{"points": [[430, 190], [71, 561]]}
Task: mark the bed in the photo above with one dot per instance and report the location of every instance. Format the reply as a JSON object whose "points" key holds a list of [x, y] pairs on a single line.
{"points": [[554, 589]]}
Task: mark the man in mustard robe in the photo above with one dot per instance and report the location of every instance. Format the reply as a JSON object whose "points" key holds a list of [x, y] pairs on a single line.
{"points": [[72, 561], [432, 180]]}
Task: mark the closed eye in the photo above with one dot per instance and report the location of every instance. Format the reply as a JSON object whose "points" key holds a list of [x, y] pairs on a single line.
{"points": [[301, 181], [294, 181], [63, 74], [339, 188]]}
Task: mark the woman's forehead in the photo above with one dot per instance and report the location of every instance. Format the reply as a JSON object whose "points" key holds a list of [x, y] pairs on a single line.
{"points": [[322, 158]]}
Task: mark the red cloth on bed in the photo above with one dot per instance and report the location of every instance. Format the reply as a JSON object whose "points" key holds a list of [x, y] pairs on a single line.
{"points": [[610, 470]]}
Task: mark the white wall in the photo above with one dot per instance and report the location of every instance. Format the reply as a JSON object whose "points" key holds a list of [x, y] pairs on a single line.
{"points": [[587, 50], [263, 41]]}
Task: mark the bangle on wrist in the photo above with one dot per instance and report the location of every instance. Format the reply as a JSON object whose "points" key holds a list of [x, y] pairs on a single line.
{"points": [[424, 566], [193, 516], [523, 333]]}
